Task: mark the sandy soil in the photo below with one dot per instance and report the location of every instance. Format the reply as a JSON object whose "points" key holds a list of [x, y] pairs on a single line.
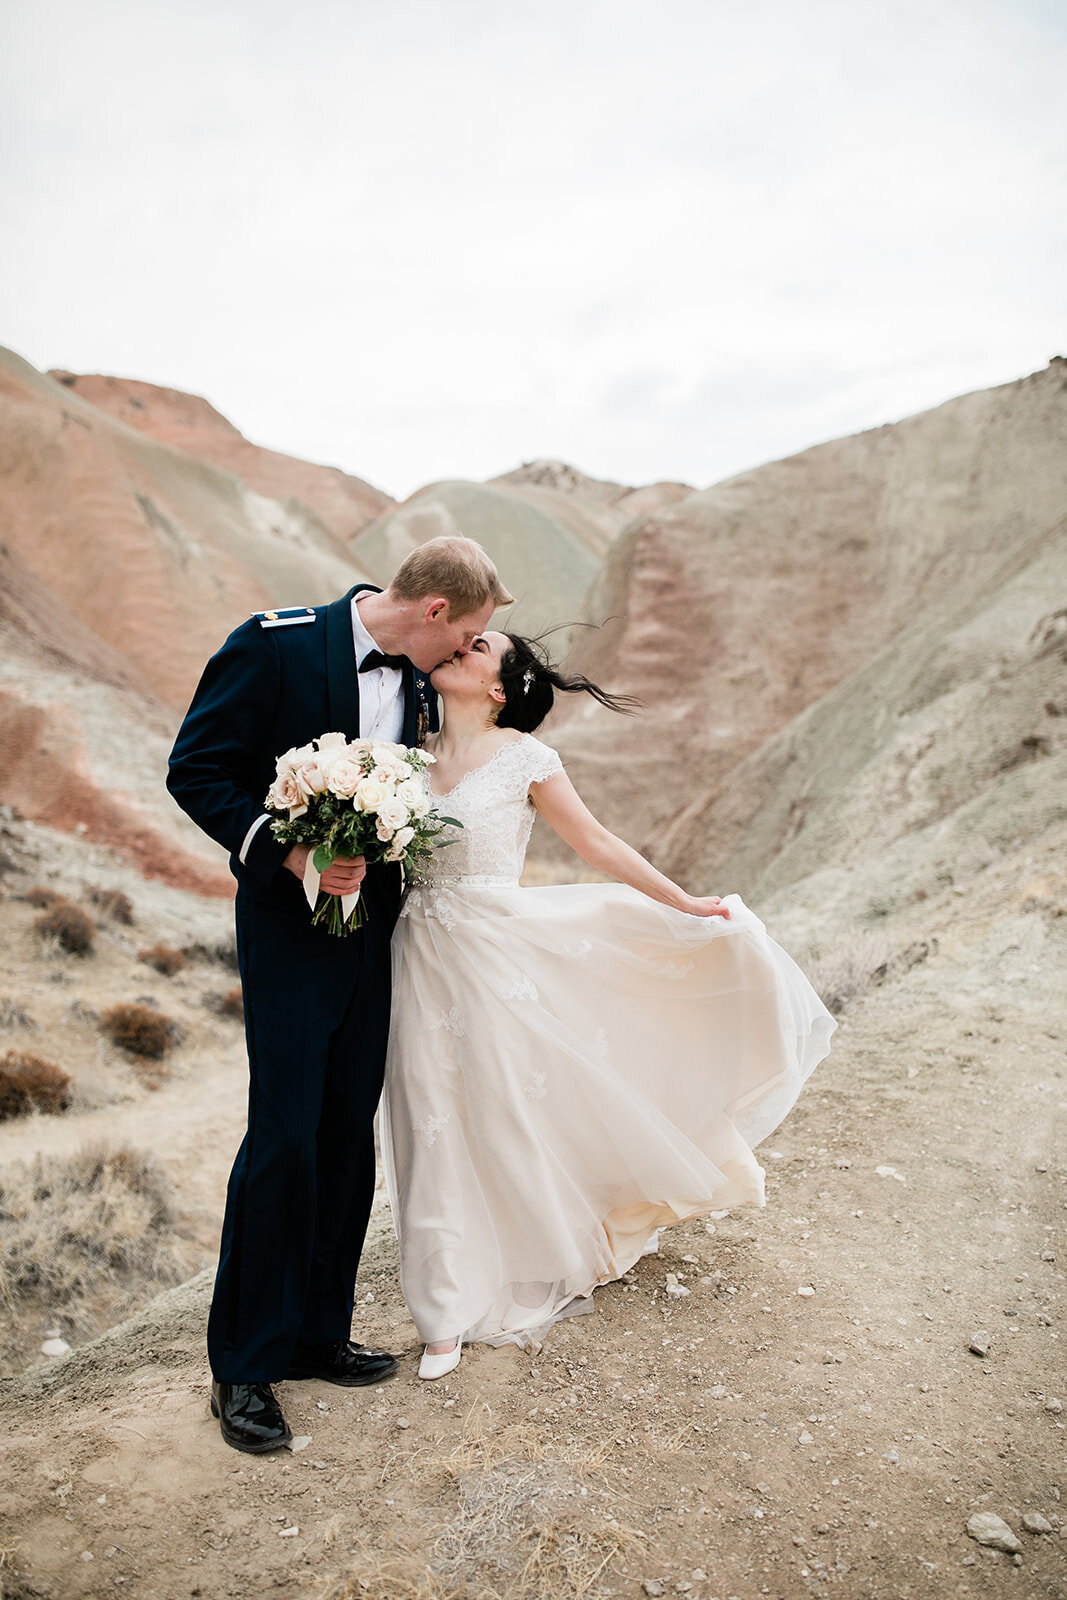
{"points": [[744, 1440]]}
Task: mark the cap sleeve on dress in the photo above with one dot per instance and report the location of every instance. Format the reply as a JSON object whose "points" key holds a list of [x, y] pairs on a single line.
{"points": [[541, 761]]}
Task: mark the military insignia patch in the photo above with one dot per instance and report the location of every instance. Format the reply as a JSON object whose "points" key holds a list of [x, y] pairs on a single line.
{"points": [[289, 618]]}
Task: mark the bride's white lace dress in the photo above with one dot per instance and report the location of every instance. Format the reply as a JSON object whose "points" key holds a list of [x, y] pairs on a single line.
{"points": [[570, 1069]]}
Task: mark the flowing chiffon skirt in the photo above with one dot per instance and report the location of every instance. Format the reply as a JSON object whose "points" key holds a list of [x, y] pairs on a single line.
{"points": [[571, 1069]]}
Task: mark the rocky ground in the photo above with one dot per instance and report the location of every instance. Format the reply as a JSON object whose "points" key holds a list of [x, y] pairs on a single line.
{"points": [[812, 1398]]}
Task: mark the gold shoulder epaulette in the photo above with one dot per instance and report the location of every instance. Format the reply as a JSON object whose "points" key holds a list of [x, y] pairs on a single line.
{"points": [[288, 618]]}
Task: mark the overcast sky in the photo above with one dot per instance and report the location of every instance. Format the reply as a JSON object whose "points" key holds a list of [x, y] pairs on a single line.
{"points": [[433, 238]]}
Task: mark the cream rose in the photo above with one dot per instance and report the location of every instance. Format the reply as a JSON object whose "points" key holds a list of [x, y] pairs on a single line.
{"points": [[313, 775], [369, 794], [410, 791], [345, 777], [402, 838], [332, 744], [285, 794], [393, 813], [293, 759]]}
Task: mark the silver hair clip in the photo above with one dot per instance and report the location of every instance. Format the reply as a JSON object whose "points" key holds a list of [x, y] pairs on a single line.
{"points": [[527, 679]]}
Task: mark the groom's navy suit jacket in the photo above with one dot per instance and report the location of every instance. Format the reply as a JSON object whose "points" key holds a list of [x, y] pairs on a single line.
{"points": [[316, 1006], [281, 679]]}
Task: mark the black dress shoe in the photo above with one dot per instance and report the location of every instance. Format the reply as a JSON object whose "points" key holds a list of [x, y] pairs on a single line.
{"points": [[351, 1365], [249, 1416]]}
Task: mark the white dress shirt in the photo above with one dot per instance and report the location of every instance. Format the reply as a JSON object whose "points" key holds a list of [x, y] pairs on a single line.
{"points": [[381, 691]]}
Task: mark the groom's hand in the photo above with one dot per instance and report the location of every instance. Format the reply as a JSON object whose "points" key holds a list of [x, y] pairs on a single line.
{"points": [[343, 876]]}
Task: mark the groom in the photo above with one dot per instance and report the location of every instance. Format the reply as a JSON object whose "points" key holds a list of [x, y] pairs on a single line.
{"points": [[316, 1006]]}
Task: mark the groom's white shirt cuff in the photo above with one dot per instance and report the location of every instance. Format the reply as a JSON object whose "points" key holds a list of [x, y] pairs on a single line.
{"points": [[250, 835]]}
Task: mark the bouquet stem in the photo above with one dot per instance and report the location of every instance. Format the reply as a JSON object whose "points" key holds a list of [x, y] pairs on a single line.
{"points": [[329, 914]]}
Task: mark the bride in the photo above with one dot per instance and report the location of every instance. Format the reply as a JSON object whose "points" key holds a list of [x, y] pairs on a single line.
{"points": [[570, 1068]]}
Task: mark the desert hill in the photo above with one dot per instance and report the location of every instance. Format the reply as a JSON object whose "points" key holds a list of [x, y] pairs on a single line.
{"points": [[126, 562], [158, 553], [546, 525], [341, 502], [743, 605]]}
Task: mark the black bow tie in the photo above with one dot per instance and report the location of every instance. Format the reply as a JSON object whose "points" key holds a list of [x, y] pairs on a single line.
{"points": [[375, 658]]}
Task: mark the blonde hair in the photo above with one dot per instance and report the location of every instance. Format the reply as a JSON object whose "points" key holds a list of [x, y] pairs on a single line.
{"points": [[455, 568]]}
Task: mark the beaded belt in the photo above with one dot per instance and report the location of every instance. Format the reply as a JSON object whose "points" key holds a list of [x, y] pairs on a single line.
{"points": [[474, 880]]}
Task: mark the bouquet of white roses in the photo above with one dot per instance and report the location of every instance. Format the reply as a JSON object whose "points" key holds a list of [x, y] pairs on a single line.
{"points": [[352, 797]]}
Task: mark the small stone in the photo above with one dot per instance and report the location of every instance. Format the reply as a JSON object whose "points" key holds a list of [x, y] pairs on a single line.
{"points": [[985, 1527], [87, 1555], [891, 1172], [892, 1456], [968, 1561], [1048, 1255], [652, 1586], [1054, 1406], [288, 1533], [677, 1291], [806, 1290], [979, 1344], [402, 1422], [101, 1499], [1044, 1319], [805, 1437], [534, 1347], [299, 1441], [53, 1348], [698, 1575], [1034, 1522], [718, 1391]]}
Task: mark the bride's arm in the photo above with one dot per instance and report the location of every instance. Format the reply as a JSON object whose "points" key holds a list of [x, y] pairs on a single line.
{"points": [[566, 813]]}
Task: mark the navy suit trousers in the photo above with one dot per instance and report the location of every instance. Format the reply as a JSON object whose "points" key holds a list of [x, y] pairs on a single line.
{"points": [[300, 1193]]}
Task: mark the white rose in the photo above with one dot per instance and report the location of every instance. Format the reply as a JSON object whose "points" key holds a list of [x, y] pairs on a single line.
{"points": [[402, 838], [410, 791], [369, 794], [386, 776], [393, 813], [332, 744], [345, 777], [422, 806]]}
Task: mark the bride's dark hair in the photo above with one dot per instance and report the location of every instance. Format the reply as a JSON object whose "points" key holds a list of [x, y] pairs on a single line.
{"points": [[530, 683]]}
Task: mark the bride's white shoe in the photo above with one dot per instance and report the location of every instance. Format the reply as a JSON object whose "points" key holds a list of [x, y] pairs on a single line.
{"points": [[438, 1366]]}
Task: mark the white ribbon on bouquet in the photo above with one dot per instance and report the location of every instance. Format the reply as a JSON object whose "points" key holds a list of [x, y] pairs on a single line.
{"points": [[311, 888]]}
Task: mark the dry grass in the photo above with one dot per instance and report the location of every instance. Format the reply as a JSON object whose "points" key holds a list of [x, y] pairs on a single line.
{"points": [[164, 959], [68, 925], [29, 1083], [72, 1227], [41, 897], [400, 1577], [860, 961], [114, 904], [531, 1523], [139, 1030], [232, 1003]]}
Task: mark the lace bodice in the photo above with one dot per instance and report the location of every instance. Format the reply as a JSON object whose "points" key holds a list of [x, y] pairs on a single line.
{"points": [[493, 804]]}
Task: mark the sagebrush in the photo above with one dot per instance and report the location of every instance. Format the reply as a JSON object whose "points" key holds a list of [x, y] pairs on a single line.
{"points": [[29, 1083], [70, 926]]}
